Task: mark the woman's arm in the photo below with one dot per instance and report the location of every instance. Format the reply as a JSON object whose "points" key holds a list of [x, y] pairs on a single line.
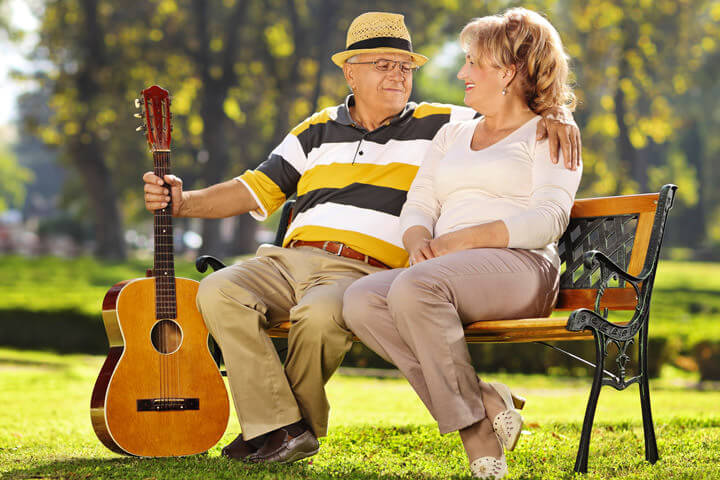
{"points": [[551, 199], [422, 208]]}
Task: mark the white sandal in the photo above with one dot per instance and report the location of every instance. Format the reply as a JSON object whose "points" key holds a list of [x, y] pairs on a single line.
{"points": [[508, 423], [489, 468]]}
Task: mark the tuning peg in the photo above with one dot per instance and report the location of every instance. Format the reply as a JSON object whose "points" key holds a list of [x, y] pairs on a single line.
{"points": [[141, 128], [137, 115], [138, 102]]}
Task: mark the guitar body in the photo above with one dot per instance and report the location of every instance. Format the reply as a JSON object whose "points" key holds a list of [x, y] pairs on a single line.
{"points": [[154, 404]]}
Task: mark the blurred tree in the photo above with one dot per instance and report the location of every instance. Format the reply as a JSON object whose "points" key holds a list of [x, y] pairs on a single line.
{"points": [[13, 180], [639, 64], [243, 72]]}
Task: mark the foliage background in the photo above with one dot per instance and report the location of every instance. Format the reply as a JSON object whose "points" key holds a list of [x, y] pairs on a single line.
{"points": [[243, 72]]}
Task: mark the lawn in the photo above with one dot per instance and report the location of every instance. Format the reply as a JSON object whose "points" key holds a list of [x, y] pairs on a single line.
{"points": [[379, 430]]}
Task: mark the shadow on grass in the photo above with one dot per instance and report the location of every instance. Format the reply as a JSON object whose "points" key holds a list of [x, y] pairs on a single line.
{"points": [[62, 331], [23, 363], [198, 467]]}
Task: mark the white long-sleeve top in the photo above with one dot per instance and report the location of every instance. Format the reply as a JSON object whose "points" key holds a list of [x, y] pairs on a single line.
{"points": [[512, 180]]}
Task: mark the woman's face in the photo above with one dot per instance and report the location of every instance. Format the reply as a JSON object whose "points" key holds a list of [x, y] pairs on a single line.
{"points": [[483, 85]]}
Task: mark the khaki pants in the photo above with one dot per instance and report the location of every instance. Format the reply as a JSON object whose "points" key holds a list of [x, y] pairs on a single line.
{"points": [[306, 286], [414, 318]]}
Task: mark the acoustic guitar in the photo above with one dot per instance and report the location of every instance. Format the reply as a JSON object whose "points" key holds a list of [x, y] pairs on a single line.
{"points": [[159, 392]]}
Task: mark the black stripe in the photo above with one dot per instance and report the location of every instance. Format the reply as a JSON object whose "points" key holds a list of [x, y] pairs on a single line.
{"points": [[281, 172], [328, 132], [382, 199], [410, 128], [378, 42]]}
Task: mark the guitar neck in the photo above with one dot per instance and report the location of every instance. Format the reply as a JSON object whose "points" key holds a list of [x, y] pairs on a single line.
{"points": [[164, 267]]}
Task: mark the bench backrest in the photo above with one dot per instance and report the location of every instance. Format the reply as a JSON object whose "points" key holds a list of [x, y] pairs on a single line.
{"points": [[620, 227]]}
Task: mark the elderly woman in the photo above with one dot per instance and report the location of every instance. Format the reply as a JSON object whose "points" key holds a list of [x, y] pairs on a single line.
{"points": [[480, 224]]}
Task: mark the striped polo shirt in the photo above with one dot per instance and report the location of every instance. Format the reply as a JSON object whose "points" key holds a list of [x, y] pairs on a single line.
{"points": [[350, 183]]}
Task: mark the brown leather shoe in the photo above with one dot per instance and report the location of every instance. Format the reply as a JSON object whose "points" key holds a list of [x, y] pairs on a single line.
{"points": [[240, 449], [281, 447]]}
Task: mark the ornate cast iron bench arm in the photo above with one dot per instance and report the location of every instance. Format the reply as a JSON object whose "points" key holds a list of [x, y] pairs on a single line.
{"points": [[585, 318], [202, 263]]}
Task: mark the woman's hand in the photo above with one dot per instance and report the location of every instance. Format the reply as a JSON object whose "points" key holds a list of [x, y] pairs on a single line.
{"points": [[449, 243], [487, 235], [417, 243]]}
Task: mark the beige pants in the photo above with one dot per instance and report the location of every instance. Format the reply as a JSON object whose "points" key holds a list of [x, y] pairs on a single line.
{"points": [[414, 318], [239, 303]]}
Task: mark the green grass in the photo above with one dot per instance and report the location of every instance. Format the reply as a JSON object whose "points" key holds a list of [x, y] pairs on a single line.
{"points": [[686, 302], [379, 430]]}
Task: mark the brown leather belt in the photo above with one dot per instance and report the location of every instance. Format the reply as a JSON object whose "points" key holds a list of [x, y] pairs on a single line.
{"points": [[340, 249]]}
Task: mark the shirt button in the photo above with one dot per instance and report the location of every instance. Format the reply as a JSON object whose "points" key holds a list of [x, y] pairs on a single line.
{"points": [[360, 152]]}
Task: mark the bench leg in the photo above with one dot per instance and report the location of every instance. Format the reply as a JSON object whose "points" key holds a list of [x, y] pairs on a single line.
{"points": [[651, 451], [581, 461]]}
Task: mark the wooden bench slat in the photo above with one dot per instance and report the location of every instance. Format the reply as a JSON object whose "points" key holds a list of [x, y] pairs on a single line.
{"points": [[641, 242], [605, 206], [519, 330], [614, 299]]}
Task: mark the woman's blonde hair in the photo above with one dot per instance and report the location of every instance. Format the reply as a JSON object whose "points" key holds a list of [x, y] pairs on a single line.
{"points": [[526, 40]]}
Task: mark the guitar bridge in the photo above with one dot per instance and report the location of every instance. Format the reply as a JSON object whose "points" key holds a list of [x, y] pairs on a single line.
{"points": [[167, 404]]}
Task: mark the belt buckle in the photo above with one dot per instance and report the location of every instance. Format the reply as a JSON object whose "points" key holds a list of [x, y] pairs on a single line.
{"points": [[339, 252]]}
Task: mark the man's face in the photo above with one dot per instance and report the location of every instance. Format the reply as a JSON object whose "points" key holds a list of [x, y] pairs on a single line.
{"points": [[385, 92]]}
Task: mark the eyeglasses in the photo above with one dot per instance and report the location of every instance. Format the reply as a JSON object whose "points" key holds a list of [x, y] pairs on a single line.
{"points": [[384, 65]]}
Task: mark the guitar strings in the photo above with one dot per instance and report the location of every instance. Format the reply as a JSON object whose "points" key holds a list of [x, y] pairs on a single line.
{"points": [[165, 286]]}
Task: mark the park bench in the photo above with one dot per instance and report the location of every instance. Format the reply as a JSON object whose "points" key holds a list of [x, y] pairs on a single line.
{"points": [[609, 256]]}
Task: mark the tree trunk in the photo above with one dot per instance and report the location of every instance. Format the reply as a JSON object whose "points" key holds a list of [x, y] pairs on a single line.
{"points": [[86, 151], [107, 222], [214, 93]]}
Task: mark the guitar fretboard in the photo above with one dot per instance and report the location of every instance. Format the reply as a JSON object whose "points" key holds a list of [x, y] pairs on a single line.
{"points": [[164, 271]]}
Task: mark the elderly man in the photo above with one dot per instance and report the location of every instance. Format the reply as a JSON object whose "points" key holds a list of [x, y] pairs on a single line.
{"points": [[351, 166]]}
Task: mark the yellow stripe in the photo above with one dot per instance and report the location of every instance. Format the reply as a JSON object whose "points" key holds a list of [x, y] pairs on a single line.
{"points": [[427, 109], [266, 190], [387, 253], [339, 175], [314, 119]]}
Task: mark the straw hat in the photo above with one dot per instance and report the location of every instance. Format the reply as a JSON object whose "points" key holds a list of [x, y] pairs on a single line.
{"points": [[374, 32]]}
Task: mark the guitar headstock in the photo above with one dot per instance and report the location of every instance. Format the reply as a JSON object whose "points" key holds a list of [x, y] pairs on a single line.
{"points": [[155, 105]]}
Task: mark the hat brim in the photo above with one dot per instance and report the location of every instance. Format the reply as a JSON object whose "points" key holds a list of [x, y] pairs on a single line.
{"points": [[340, 58]]}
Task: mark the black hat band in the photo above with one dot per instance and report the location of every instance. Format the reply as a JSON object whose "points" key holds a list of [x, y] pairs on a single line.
{"points": [[379, 42]]}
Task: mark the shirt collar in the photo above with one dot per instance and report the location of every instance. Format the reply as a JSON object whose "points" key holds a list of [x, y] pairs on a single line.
{"points": [[343, 113]]}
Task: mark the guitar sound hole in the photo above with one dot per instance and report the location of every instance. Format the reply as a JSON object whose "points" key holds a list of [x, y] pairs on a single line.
{"points": [[166, 336]]}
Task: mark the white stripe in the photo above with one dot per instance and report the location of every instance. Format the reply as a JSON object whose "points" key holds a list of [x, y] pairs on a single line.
{"points": [[410, 152], [291, 150], [376, 224], [259, 216]]}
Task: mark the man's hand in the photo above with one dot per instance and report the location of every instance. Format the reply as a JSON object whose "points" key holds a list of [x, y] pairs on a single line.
{"points": [[564, 134], [157, 196]]}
